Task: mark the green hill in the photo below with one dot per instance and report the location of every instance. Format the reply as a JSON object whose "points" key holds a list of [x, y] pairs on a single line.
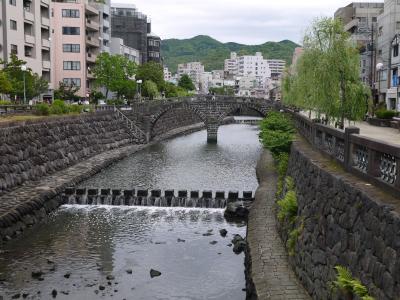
{"points": [[212, 53]]}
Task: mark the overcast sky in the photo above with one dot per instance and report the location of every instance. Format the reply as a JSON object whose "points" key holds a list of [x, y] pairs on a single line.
{"points": [[243, 21]]}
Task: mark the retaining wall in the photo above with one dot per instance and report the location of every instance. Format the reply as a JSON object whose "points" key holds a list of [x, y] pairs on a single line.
{"points": [[346, 222], [32, 150]]}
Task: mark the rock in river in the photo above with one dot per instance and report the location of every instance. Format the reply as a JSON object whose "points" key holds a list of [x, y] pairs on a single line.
{"points": [[154, 273]]}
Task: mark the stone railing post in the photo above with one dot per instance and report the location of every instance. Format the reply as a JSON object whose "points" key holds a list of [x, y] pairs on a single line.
{"points": [[348, 147], [397, 182], [373, 163]]}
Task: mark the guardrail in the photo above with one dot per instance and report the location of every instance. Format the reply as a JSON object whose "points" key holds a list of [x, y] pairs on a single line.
{"points": [[7, 109], [376, 161]]}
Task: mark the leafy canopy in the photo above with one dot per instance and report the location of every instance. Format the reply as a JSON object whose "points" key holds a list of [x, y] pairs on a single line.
{"points": [[150, 89], [151, 71], [186, 83], [326, 77]]}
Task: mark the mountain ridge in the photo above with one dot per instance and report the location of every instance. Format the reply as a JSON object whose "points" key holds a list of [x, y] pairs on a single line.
{"points": [[212, 52]]}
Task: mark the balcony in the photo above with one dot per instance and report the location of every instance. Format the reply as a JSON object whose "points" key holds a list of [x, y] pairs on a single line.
{"points": [[46, 64], [28, 16], [92, 41], [90, 10], [90, 57], [46, 43], [45, 2], [45, 22], [30, 39], [106, 36], [92, 25], [106, 23], [89, 75]]}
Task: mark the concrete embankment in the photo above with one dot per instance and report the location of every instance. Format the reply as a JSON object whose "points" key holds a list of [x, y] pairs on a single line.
{"points": [[30, 203], [268, 272]]}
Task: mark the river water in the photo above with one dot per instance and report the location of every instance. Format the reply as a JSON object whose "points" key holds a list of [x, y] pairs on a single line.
{"points": [[104, 252]]}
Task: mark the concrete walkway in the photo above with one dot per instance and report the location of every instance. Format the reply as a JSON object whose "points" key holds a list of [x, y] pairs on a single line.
{"points": [[272, 276]]}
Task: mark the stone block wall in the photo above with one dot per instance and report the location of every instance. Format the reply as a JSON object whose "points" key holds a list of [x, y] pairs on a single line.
{"points": [[31, 150], [174, 119], [345, 223]]}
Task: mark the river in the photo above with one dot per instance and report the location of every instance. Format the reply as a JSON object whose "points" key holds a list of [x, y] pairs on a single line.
{"points": [[105, 252]]}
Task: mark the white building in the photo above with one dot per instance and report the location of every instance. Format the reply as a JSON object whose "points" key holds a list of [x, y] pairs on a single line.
{"points": [[117, 46], [194, 70], [253, 65], [167, 74], [277, 67], [231, 66]]}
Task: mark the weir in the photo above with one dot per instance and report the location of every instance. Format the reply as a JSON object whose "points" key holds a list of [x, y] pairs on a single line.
{"points": [[155, 197]]}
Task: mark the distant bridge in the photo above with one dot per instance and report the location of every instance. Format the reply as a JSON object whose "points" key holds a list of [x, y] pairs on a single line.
{"points": [[210, 110]]}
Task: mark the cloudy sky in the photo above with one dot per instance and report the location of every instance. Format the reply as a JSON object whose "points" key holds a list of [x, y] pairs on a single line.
{"points": [[243, 21]]}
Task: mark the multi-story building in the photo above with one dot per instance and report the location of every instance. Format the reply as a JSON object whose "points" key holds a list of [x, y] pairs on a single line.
{"points": [[25, 31], [360, 20], [77, 37], [117, 46], [194, 70], [103, 7], [167, 74], [388, 60], [134, 28], [298, 51], [231, 66], [253, 65], [277, 67]]}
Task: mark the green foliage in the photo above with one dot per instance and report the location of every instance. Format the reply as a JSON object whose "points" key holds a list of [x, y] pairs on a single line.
{"points": [[115, 102], [59, 108], [346, 283], [277, 133], [385, 114], [150, 89], [186, 83], [66, 92], [212, 52], [34, 84], [288, 207], [151, 71], [42, 109], [172, 91], [5, 102], [283, 161], [293, 238], [223, 90], [114, 73], [326, 77], [95, 96]]}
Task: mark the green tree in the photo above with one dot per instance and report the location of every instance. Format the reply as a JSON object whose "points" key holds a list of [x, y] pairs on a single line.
{"points": [[34, 84], [152, 71], [326, 78], [150, 89], [114, 72], [66, 92], [223, 90], [5, 84], [186, 83]]}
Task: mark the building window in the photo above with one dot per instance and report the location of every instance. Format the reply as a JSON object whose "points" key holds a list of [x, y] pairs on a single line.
{"points": [[396, 50], [72, 65], [14, 49], [72, 81], [13, 24], [75, 48], [70, 13], [71, 30], [13, 2]]}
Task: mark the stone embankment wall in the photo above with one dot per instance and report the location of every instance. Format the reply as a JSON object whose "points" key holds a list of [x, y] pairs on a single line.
{"points": [[174, 119], [346, 222], [29, 151]]}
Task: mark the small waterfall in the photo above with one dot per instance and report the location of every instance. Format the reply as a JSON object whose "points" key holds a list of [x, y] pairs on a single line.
{"points": [[184, 198]]}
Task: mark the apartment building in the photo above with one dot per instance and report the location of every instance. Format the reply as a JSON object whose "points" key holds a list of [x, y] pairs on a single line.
{"points": [[277, 67], [167, 74], [231, 66], [117, 46], [104, 9], [25, 31], [194, 70], [360, 20], [77, 36], [153, 47]]}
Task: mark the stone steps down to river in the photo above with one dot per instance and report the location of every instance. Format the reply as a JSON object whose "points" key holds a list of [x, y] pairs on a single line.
{"points": [[169, 198], [29, 151]]}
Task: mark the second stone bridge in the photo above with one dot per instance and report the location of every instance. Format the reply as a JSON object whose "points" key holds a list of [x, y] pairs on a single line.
{"points": [[211, 110]]}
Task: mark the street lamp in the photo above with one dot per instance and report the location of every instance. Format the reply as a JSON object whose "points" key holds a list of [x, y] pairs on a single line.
{"points": [[23, 69], [379, 67], [139, 82]]}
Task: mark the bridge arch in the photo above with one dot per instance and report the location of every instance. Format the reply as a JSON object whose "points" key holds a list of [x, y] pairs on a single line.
{"points": [[175, 108], [250, 106]]}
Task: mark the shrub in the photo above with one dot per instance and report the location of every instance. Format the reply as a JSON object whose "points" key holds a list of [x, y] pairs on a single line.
{"points": [[5, 102], [75, 108], [42, 109], [288, 207], [277, 133], [59, 107], [385, 114], [293, 237], [346, 283]]}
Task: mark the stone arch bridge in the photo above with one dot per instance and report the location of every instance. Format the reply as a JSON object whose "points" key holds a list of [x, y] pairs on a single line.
{"points": [[210, 110]]}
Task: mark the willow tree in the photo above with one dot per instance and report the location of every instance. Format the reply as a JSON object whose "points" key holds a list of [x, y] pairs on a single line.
{"points": [[326, 77]]}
